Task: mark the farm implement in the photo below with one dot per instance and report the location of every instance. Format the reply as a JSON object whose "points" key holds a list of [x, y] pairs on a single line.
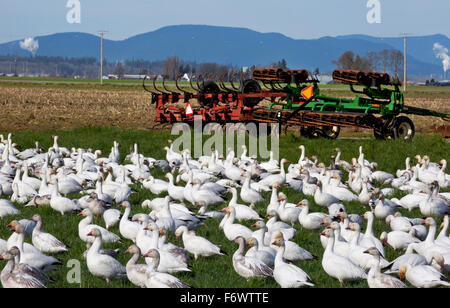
{"points": [[292, 98]]}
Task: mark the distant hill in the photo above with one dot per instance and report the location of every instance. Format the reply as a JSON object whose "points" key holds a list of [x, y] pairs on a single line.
{"points": [[237, 46]]}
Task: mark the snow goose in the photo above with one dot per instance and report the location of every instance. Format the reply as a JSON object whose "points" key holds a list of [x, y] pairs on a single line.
{"points": [[248, 267], [288, 275], [430, 244], [276, 178], [164, 245], [422, 276], [322, 198], [434, 207], [203, 211], [341, 163], [257, 252], [293, 252], [274, 225], [13, 278], [111, 217], [376, 279], [7, 208], [33, 257], [158, 279], [357, 249], [61, 204], [44, 241], [85, 226], [383, 209], [287, 214], [156, 186], [398, 240], [128, 229], [232, 230], [205, 195], [339, 267], [197, 245], [138, 274], [175, 192], [341, 193], [25, 268], [341, 246], [368, 239], [248, 194], [169, 262], [243, 212], [398, 223], [102, 265], [309, 221]]}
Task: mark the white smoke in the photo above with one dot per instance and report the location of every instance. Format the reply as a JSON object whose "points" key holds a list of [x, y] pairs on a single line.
{"points": [[442, 53], [30, 44]]}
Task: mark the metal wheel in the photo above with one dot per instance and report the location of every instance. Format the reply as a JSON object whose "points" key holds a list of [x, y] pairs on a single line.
{"points": [[403, 128], [330, 132], [251, 86], [208, 87], [309, 132]]}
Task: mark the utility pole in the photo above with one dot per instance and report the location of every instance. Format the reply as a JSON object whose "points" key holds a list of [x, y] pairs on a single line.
{"points": [[404, 64], [101, 58]]}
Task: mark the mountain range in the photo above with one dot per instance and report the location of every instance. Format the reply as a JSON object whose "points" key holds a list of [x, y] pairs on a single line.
{"points": [[236, 46]]}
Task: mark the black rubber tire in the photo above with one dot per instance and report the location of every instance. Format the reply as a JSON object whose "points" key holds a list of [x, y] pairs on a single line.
{"points": [[309, 132], [403, 128], [208, 87], [251, 86], [330, 132]]}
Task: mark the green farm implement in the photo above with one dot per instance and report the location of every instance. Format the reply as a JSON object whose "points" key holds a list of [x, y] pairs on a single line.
{"points": [[295, 100]]}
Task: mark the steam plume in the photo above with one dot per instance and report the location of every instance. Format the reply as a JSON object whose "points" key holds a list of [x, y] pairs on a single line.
{"points": [[30, 44]]}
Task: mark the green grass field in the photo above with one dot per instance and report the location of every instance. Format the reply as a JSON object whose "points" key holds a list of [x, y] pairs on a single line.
{"points": [[214, 272]]}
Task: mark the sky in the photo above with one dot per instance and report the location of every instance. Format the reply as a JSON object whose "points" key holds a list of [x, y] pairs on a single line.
{"points": [[297, 19]]}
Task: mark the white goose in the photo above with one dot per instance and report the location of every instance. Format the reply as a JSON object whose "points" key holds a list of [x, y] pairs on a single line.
{"points": [[322, 198], [248, 194], [12, 278], [102, 265], [357, 254], [248, 267], [309, 221], [243, 212], [256, 251], [156, 186], [288, 275], [62, 204], [44, 241], [276, 178], [197, 245], [138, 274], [33, 257], [422, 276], [376, 279], [398, 240], [232, 230], [287, 214], [128, 229], [85, 226], [337, 266], [158, 279]]}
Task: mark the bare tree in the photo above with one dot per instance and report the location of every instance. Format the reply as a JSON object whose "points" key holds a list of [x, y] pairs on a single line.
{"points": [[120, 70], [171, 67], [345, 61], [374, 59]]}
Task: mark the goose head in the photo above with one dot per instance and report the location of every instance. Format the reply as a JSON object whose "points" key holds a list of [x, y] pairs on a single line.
{"points": [[94, 232], [334, 225], [259, 224], [372, 251], [152, 253], [389, 219], [15, 226], [429, 222], [180, 230], [251, 241], [36, 218], [281, 197], [354, 227], [327, 233], [239, 240], [133, 249], [303, 203], [85, 212], [279, 242], [402, 271], [326, 221], [151, 226], [125, 204], [6, 256]]}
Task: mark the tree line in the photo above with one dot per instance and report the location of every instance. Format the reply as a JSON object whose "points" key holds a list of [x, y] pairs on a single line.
{"points": [[387, 60]]}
